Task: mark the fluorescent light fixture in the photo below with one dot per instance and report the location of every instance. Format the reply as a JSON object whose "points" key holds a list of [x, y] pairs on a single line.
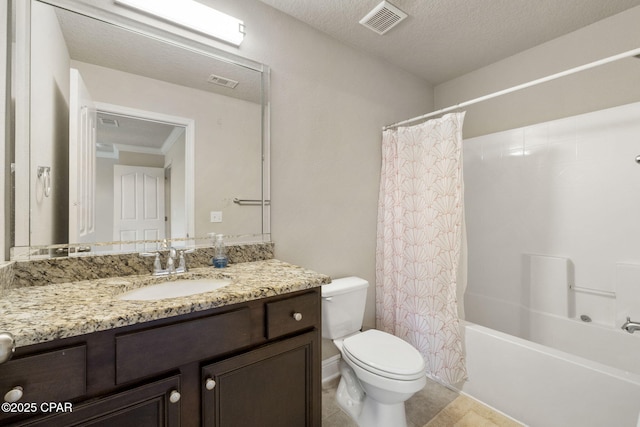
{"points": [[194, 15]]}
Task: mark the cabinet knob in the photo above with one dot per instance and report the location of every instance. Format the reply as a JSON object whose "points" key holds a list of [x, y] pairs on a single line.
{"points": [[13, 395], [210, 384], [174, 396], [297, 316], [7, 346]]}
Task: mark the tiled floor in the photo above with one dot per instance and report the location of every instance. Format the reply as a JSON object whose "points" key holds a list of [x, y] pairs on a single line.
{"points": [[434, 406]]}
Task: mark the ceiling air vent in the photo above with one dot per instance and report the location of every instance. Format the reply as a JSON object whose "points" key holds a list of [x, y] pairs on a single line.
{"points": [[383, 17], [218, 80]]}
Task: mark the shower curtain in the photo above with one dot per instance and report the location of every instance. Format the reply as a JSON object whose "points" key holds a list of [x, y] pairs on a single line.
{"points": [[421, 246]]}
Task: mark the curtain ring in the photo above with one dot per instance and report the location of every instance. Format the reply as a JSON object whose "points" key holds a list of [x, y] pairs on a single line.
{"points": [[44, 173]]}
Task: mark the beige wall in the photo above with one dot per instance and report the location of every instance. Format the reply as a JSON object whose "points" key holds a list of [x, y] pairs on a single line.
{"points": [[328, 105], [606, 86]]}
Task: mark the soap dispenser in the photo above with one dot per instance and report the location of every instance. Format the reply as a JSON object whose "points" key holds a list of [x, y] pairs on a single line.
{"points": [[219, 260]]}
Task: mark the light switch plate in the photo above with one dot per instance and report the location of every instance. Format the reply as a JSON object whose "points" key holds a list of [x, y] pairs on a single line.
{"points": [[216, 216]]}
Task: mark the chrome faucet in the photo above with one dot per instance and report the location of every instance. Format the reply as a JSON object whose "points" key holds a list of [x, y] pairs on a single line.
{"points": [[630, 326], [171, 261], [170, 267]]}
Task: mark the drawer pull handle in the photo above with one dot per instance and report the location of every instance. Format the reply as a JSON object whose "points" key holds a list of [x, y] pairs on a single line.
{"points": [[7, 346], [210, 384], [13, 395], [297, 316], [174, 397]]}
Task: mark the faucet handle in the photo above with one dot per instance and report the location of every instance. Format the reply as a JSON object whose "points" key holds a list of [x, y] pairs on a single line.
{"points": [[182, 263], [157, 267]]}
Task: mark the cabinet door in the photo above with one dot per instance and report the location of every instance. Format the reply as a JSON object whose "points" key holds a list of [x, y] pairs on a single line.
{"points": [[149, 405], [272, 386]]}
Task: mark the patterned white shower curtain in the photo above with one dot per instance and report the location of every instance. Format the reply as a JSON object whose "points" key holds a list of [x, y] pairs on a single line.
{"points": [[420, 268]]}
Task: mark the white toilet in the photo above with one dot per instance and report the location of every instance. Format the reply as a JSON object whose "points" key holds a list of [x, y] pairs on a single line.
{"points": [[379, 371]]}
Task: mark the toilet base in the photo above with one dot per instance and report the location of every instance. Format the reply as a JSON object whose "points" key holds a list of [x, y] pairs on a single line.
{"points": [[376, 414], [367, 412], [364, 410]]}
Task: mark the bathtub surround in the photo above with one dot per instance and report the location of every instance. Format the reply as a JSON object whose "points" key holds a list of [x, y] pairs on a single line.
{"points": [[546, 284], [556, 203], [564, 192], [420, 241]]}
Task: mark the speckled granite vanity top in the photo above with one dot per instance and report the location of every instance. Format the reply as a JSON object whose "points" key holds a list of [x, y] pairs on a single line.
{"points": [[45, 313]]}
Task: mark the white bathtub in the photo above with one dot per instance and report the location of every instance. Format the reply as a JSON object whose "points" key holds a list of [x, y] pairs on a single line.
{"points": [[544, 387]]}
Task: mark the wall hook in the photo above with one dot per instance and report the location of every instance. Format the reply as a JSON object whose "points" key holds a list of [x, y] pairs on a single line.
{"points": [[44, 174]]}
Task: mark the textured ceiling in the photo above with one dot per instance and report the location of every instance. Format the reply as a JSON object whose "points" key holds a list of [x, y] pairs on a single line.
{"points": [[443, 39]]}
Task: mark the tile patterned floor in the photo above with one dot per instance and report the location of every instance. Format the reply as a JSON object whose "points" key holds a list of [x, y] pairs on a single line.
{"points": [[434, 406]]}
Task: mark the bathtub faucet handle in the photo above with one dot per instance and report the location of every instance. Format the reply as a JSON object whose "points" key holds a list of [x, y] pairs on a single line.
{"points": [[630, 326]]}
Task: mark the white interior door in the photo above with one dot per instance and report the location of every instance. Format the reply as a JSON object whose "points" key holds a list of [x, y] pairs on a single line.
{"points": [[139, 211], [82, 162]]}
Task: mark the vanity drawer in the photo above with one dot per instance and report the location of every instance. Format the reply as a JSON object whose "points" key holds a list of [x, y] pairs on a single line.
{"points": [[151, 351], [55, 376], [292, 314]]}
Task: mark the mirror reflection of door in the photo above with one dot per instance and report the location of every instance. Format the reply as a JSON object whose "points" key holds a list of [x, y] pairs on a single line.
{"points": [[139, 206], [148, 150]]}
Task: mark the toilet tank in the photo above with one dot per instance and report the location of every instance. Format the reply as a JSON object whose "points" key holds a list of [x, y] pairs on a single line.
{"points": [[343, 302]]}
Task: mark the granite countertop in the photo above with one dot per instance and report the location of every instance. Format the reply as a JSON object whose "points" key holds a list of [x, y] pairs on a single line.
{"points": [[38, 314]]}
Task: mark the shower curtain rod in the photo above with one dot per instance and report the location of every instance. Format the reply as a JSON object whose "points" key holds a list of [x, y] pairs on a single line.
{"points": [[633, 52]]}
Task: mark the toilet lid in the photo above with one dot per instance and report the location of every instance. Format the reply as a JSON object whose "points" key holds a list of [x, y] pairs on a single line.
{"points": [[384, 354]]}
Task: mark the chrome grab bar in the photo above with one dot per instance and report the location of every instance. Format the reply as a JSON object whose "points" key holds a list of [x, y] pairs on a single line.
{"points": [[250, 202]]}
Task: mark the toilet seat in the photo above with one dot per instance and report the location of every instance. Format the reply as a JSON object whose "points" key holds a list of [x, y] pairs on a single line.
{"points": [[384, 354]]}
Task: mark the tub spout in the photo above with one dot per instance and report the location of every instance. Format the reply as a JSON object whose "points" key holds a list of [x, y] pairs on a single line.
{"points": [[630, 326]]}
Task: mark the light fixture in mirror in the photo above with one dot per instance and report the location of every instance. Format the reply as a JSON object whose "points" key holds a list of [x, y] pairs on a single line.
{"points": [[199, 127], [193, 15]]}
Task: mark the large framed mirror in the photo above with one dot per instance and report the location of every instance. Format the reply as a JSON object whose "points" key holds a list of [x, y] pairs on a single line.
{"points": [[128, 134]]}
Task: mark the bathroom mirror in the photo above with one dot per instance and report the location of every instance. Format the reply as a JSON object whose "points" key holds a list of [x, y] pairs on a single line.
{"points": [[127, 134]]}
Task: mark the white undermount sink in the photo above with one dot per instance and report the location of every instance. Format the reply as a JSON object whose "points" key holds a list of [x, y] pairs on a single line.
{"points": [[174, 289]]}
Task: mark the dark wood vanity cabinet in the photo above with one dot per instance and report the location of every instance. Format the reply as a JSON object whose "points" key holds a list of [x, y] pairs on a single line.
{"points": [[147, 405], [274, 380], [249, 364]]}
